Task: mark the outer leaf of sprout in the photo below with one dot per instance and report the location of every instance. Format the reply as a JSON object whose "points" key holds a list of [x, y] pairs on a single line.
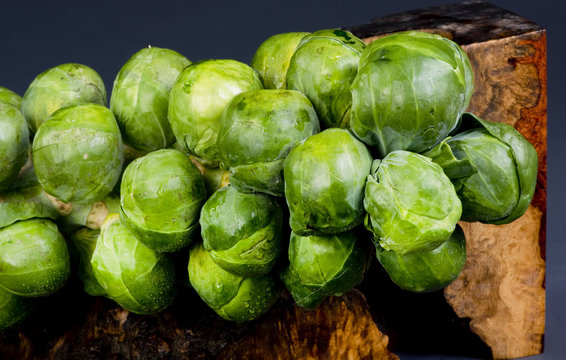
{"points": [[135, 276], [140, 97], [58, 87], [34, 260], [325, 177]]}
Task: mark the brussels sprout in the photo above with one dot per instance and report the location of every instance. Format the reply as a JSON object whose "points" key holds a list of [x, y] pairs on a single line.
{"points": [[63, 85], [27, 199], [429, 270], [324, 65], [412, 205], [28, 203], [232, 297], [325, 177], [161, 196], [10, 97], [26, 177], [82, 244], [257, 130], [34, 260], [272, 58], [493, 168], [242, 231], [90, 215], [14, 144], [410, 91], [140, 97], [198, 98], [137, 278], [13, 309], [78, 153], [320, 266], [215, 179]]}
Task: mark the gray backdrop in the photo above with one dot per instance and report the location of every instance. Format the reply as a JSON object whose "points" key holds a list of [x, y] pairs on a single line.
{"points": [[39, 35]]}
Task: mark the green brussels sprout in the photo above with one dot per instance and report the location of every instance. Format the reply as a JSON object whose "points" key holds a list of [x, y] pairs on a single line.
{"points": [[429, 270], [28, 203], [321, 266], [90, 215], [272, 58], [323, 67], [257, 130], [60, 86], [82, 243], [412, 205], [136, 277], [242, 231], [34, 259], [198, 98], [231, 296], [410, 91], [26, 177], [325, 177], [13, 309], [215, 179], [78, 153], [161, 196], [10, 97], [14, 144], [493, 168], [140, 97]]}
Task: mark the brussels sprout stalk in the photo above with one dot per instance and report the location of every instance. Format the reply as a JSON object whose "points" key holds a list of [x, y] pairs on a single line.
{"points": [[91, 215]]}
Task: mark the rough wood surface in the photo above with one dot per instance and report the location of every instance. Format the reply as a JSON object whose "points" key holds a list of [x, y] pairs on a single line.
{"points": [[508, 54], [510, 87], [501, 286], [508, 260], [340, 328], [466, 23]]}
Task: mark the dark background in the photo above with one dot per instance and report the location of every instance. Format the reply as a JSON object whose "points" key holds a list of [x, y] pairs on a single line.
{"points": [[35, 36]]}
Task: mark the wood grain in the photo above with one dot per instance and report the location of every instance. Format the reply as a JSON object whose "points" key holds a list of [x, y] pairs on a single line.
{"points": [[340, 328], [501, 286]]}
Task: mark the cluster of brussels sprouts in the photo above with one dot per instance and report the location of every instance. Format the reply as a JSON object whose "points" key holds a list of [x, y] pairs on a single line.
{"points": [[341, 141]]}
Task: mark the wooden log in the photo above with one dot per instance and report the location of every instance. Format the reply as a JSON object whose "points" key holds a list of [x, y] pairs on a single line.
{"points": [[502, 285]]}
